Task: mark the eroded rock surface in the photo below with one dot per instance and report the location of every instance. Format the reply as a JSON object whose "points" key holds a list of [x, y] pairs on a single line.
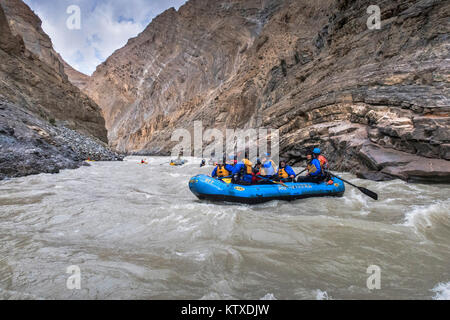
{"points": [[311, 69], [31, 145], [46, 123]]}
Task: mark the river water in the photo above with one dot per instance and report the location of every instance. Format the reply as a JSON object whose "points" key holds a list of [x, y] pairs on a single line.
{"points": [[137, 232]]}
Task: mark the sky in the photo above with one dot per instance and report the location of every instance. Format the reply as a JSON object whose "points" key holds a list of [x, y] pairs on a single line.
{"points": [[104, 26]]}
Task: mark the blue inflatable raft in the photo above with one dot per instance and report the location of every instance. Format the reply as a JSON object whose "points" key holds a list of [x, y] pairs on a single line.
{"points": [[207, 188]]}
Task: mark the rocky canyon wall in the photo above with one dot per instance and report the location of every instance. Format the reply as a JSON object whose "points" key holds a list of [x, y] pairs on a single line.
{"points": [[176, 64], [46, 123], [375, 101]]}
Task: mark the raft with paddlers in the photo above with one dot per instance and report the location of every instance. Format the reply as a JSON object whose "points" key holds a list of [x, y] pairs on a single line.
{"points": [[178, 162], [208, 188]]}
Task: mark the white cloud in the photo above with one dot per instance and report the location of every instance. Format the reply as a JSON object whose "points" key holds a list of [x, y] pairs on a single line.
{"points": [[106, 25]]}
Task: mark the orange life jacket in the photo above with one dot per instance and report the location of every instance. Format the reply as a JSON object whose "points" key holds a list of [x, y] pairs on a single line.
{"points": [[282, 173], [222, 172], [248, 166], [323, 162]]}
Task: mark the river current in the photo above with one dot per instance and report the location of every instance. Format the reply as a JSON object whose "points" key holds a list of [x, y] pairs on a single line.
{"points": [[137, 232]]}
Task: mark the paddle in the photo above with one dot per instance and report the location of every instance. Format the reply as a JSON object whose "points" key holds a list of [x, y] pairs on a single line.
{"points": [[276, 182], [367, 192], [300, 172]]}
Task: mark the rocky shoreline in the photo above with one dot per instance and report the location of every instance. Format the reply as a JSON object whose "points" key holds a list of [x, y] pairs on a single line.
{"points": [[32, 145]]}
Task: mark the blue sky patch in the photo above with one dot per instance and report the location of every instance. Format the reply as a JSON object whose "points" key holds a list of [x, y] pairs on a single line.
{"points": [[106, 25]]}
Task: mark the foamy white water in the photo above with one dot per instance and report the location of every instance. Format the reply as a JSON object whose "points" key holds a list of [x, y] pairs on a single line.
{"points": [[322, 295], [442, 291], [137, 232]]}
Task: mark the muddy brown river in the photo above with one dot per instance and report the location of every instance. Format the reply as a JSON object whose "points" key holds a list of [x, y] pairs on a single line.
{"points": [[137, 232]]}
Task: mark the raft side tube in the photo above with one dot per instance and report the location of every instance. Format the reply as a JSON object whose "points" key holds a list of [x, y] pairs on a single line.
{"points": [[207, 188]]}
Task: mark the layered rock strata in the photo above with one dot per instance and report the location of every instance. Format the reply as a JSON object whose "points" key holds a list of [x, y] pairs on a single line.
{"points": [[375, 101]]}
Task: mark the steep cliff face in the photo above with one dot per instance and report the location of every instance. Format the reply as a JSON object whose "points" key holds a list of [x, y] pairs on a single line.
{"points": [[36, 78], [376, 101], [26, 24], [77, 78], [8, 42], [177, 63], [39, 111]]}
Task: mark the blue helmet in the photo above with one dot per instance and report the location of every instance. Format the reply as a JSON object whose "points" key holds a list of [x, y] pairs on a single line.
{"points": [[316, 151]]}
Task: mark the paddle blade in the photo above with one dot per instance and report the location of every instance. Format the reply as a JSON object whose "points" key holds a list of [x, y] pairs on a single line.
{"points": [[279, 182], [369, 193]]}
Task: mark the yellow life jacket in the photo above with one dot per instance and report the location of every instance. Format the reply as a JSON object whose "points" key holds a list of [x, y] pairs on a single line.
{"points": [[248, 166], [222, 172], [311, 168], [282, 173]]}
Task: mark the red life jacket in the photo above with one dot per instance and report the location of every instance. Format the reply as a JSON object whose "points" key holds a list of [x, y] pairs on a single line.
{"points": [[323, 162], [255, 176]]}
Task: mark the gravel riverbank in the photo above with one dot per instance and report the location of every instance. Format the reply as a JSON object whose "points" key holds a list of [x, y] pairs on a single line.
{"points": [[33, 145]]}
